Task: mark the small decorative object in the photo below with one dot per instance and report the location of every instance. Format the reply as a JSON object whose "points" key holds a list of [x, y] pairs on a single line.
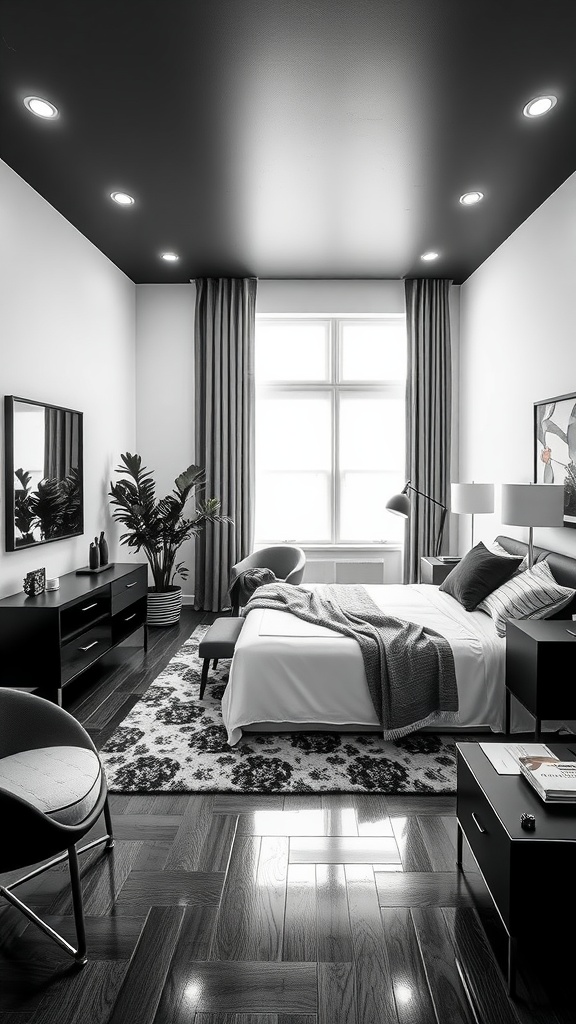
{"points": [[103, 548], [53, 584], [528, 821], [94, 555], [35, 582]]}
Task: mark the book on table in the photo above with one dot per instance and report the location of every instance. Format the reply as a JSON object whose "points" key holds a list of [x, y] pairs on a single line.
{"points": [[553, 779]]}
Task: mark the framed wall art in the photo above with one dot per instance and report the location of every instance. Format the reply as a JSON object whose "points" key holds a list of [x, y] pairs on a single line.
{"points": [[555, 448]]}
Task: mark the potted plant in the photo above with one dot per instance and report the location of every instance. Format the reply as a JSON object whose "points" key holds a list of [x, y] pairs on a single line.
{"points": [[159, 527]]}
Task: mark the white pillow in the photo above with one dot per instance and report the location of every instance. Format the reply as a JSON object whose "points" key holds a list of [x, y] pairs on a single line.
{"points": [[499, 550], [533, 594]]}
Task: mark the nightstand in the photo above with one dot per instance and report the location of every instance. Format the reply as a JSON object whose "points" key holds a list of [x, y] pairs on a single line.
{"points": [[528, 874], [537, 651], [432, 570]]}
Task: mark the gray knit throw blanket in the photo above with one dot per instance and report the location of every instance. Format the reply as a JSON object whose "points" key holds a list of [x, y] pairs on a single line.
{"points": [[409, 668]]}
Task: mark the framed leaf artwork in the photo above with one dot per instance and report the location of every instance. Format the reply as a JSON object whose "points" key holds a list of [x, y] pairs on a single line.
{"points": [[555, 448]]}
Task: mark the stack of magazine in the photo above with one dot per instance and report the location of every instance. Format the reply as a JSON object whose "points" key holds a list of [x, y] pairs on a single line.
{"points": [[554, 780]]}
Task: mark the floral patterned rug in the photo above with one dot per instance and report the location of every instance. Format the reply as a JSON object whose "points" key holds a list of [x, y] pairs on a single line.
{"points": [[172, 742]]}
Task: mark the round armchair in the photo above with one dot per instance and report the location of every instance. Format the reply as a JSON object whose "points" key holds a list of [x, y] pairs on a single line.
{"points": [[52, 791]]}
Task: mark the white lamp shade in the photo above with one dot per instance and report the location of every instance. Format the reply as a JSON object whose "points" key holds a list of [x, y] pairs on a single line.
{"points": [[467, 499], [533, 504]]}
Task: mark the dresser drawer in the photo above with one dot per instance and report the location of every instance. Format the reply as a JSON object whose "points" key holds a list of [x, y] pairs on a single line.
{"points": [[129, 589], [486, 836], [129, 619], [85, 649], [78, 617]]}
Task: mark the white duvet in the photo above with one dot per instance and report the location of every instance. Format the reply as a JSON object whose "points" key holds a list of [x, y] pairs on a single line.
{"points": [[288, 673]]}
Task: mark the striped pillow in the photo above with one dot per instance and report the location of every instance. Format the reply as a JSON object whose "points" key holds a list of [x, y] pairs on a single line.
{"points": [[533, 594]]}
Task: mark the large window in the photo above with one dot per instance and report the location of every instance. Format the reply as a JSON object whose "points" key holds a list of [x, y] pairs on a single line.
{"points": [[329, 429]]}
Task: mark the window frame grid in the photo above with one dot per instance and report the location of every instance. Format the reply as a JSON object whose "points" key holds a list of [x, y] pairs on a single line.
{"points": [[393, 389]]}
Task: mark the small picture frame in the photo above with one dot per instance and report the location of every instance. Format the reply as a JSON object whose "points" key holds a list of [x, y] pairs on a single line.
{"points": [[35, 582]]}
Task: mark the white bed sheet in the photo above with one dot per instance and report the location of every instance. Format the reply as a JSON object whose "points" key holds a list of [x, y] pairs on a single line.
{"points": [[286, 672]]}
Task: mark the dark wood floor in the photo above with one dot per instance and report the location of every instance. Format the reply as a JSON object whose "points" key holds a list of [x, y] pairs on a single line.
{"points": [[225, 909]]}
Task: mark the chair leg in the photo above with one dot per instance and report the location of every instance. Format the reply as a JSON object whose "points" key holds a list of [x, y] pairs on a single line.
{"points": [[80, 955], [215, 663], [204, 677], [109, 829]]}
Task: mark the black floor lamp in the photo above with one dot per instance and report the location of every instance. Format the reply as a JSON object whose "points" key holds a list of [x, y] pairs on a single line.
{"points": [[400, 505]]}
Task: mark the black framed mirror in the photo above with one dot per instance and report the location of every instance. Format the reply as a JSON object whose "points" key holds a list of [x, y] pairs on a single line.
{"points": [[44, 479]]}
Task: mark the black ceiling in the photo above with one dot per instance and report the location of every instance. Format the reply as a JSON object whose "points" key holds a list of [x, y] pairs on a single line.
{"points": [[290, 138]]}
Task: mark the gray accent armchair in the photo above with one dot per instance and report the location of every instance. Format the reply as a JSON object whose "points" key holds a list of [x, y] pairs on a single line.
{"points": [[286, 561], [52, 791]]}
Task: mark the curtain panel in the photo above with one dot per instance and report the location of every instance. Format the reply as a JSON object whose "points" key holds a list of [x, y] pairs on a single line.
{"points": [[225, 321], [428, 414]]}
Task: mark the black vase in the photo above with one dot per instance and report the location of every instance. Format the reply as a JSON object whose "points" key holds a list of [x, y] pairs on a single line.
{"points": [[103, 549], [94, 558]]}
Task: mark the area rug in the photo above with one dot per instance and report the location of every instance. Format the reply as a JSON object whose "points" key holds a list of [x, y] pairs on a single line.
{"points": [[172, 742]]}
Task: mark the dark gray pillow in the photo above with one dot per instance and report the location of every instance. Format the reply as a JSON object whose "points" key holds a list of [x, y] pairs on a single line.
{"points": [[477, 575]]}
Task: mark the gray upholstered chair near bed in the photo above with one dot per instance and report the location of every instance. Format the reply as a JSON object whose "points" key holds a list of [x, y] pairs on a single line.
{"points": [[52, 791], [286, 561]]}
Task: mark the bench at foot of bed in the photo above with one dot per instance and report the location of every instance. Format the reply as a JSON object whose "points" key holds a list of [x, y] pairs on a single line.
{"points": [[219, 643]]}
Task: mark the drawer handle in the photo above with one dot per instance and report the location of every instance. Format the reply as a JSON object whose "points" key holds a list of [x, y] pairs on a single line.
{"points": [[128, 617], [89, 606], [87, 648], [477, 823], [128, 585]]}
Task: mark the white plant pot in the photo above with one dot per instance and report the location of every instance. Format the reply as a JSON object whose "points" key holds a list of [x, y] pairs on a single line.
{"points": [[163, 609]]}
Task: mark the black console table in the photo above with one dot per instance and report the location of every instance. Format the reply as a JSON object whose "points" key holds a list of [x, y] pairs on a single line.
{"points": [[528, 874], [48, 640]]}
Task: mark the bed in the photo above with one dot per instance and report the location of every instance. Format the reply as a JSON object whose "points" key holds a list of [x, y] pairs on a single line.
{"points": [[290, 675]]}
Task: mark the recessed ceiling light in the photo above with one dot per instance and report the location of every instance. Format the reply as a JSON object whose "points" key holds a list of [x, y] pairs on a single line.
{"points": [[469, 198], [122, 198], [539, 105], [42, 108], [429, 256], [170, 257]]}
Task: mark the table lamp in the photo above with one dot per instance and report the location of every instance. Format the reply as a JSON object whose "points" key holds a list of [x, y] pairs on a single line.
{"points": [[532, 505], [470, 499]]}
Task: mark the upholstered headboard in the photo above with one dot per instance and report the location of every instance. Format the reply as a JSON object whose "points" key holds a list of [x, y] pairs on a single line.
{"points": [[563, 568]]}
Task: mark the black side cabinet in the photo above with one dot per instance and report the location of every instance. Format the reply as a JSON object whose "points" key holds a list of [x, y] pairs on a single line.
{"points": [[528, 874], [434, 570], [540, 662], [48, 640]]}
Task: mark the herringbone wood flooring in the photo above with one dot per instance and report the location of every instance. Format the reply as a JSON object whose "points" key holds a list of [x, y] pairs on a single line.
{"points": [[226, 909]]}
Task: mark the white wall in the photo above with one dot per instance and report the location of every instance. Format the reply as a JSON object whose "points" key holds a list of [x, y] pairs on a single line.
{"points": [[67, 337], [165, 389], [330, 297], [517, 347]]}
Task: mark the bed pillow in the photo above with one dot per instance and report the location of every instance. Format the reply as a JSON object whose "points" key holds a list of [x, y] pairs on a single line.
{"points": [[499, 550], [533, 594], [477, 575]]}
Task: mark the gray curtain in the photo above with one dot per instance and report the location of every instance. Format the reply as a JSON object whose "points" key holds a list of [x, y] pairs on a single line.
{"points": [[428, 415], [61, 442], [224, 414]]}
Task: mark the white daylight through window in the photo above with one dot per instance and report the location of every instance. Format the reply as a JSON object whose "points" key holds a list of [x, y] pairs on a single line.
{"points": [[330, 429]]}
